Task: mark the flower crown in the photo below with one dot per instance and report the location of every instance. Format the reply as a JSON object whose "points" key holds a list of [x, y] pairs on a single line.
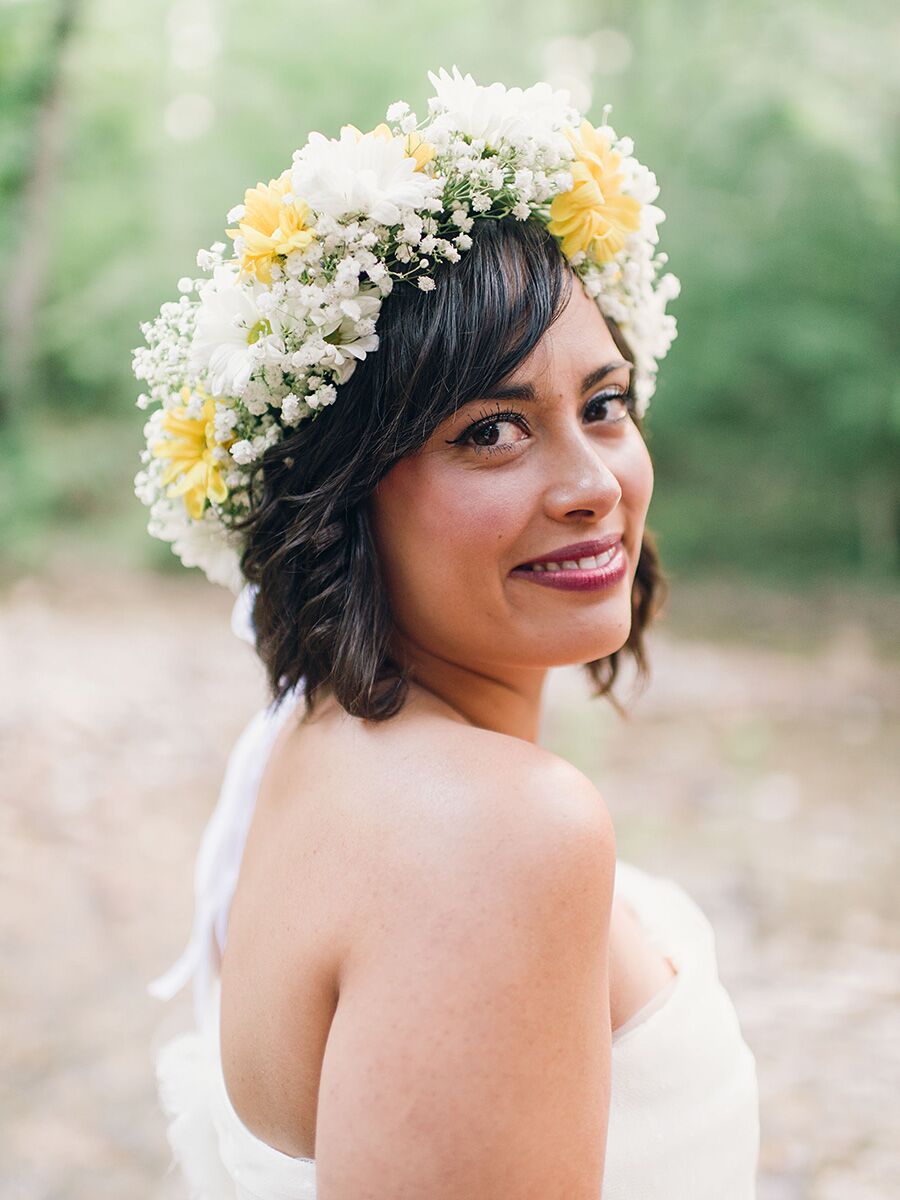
{"points": [[267, 338]]}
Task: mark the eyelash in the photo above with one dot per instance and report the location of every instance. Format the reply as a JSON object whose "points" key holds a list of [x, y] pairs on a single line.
{"points": [[495, 418]]}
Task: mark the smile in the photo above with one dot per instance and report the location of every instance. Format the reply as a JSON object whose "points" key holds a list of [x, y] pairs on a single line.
{"points": [[595, 571], [581, 564]]}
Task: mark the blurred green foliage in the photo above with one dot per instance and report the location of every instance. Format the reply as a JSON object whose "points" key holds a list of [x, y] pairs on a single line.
{"points": [[128, 131]]}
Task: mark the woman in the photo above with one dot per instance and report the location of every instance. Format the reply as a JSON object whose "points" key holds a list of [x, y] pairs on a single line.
{"points": [[420, 969]]}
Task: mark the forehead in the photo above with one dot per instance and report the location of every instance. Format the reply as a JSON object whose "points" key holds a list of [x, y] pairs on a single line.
{"points": [[576, 341]]}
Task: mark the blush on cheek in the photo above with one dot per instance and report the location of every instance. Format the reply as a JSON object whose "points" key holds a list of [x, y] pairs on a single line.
{"points": [[476, 528], [449, 507], [478, 520]]}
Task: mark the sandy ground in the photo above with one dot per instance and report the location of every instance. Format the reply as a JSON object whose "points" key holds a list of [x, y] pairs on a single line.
{"points": [[760, 778]]}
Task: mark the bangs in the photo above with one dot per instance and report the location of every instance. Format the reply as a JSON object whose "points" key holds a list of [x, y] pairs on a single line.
{"points": [[436, 351], [484, 317]]}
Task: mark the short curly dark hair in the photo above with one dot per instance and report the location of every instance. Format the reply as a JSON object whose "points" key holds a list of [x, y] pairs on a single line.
{"points": [[321, 611]]}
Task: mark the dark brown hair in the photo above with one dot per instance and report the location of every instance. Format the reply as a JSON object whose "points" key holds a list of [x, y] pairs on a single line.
{"points": [[321, 612]]}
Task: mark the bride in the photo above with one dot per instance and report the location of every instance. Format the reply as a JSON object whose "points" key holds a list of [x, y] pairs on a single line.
{"points": [[419, 968]]}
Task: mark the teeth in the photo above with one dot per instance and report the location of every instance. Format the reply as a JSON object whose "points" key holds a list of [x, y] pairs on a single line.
{"points": [[583, 564]]}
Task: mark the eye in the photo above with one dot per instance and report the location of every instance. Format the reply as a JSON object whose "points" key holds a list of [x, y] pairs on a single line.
{"points": [[617, 401], [487, 436]]}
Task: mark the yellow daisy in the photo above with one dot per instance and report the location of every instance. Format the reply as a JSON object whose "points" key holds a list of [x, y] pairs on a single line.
{"points": [[594, 216], [269, 227], [194, 471]]}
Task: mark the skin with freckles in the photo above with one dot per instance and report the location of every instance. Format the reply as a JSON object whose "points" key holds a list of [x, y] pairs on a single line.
{"points": [[453, 520]]}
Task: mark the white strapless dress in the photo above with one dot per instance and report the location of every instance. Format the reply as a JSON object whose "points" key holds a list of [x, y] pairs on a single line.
{"points": [[684, 1102]]}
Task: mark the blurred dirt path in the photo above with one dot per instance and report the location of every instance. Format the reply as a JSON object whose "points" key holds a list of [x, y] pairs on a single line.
{"points": [[763, 780]]}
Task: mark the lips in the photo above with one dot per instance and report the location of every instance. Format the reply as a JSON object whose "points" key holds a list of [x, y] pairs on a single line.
{"points": [[576, 550]]}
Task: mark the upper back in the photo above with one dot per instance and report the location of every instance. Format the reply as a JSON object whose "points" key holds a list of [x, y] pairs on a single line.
{"points": [[390, 869]]}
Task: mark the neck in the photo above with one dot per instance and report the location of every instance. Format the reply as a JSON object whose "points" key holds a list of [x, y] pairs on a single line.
{"points": [[504, 701]]}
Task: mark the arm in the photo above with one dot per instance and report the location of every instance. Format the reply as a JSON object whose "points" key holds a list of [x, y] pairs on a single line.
{"points": [[470, 1053]]}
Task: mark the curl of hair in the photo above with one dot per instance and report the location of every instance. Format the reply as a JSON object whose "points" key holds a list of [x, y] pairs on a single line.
{"points": [[321, 612]]}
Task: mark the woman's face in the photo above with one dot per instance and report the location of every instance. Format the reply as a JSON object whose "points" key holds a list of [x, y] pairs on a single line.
{"points": [[553, 458]]}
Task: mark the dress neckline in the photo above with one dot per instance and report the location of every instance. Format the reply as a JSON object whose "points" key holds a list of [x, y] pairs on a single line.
{"points": [[629, 881]]}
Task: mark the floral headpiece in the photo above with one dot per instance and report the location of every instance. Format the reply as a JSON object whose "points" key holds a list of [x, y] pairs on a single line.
{"points": [[267, 338]]}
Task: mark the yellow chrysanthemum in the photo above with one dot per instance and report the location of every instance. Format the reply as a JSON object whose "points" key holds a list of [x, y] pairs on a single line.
{"points": [[414, 146], [194, 471], [594, 216], [270, 228]]}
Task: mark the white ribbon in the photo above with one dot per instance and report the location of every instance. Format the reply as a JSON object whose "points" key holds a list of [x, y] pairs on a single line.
{"points": [[222, 844]]}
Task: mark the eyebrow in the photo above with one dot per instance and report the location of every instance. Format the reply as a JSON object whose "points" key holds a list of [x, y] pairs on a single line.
{"points": [[525, 391]]}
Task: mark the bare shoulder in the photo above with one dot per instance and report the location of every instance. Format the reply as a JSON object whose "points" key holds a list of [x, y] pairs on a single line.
{"points": [[477, 996], [492, 828], [527, 797], [396, 793], [422, 796], [399, 804], [478, 776]]}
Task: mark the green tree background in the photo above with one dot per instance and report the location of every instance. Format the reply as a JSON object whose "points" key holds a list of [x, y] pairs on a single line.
{"points": [[128, 131]]}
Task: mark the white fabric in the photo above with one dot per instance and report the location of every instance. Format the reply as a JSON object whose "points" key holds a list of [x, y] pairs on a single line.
{"points": [[684, 1104], [219, 857], [219, 860], [242, 615]]}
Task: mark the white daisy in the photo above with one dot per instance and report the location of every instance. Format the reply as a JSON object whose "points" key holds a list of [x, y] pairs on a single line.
{"points": [[497, 113], [350, 335], [360, 174], [228, 323]]}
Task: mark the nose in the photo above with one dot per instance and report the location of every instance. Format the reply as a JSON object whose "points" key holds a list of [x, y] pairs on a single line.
{"points": [[582, 483]]}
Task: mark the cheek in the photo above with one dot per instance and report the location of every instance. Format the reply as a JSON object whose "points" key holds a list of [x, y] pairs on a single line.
{"points": [[438, 526], [636, 475], [472, 522]]}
